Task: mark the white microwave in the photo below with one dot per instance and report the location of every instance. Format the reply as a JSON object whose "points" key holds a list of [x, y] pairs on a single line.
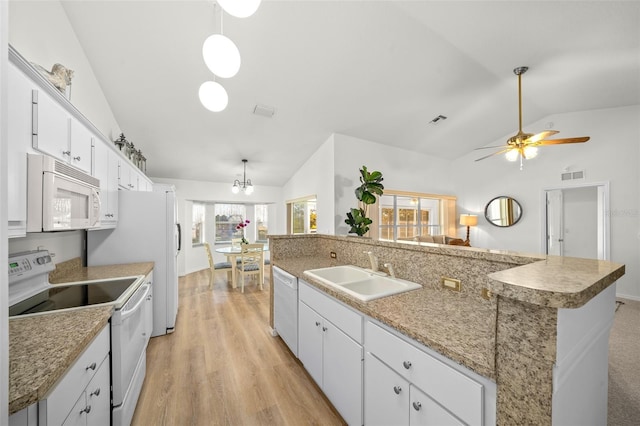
{"points": [[59, 196]]}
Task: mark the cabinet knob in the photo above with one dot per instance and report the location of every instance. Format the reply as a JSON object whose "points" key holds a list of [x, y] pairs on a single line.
{"points": [[417, 406], [149, 297], [66, 152], [324, 328], [397, 390], [407, 364], [77, 158], [317, 324], [86, 410], [95, 392], [91, 367]]}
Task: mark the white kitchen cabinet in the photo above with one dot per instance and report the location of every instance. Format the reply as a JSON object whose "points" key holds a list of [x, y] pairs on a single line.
{"points": [[390, 399], [148, 310], [331, 356], [80, 145], [19, 136], [127, 177], [105, 168], [444, 387], [82, 396]]}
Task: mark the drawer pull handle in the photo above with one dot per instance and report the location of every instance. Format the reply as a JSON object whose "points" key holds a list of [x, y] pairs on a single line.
{"points": [[317, 324], [397, 390], [91, 367], [95, 392], [417, 406], [407, 364], [86, 410]]}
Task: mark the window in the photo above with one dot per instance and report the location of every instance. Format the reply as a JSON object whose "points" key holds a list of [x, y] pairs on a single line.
{"points": [[261, 221], [197, 224], [302, 216], [228, 216], [407, 217]]}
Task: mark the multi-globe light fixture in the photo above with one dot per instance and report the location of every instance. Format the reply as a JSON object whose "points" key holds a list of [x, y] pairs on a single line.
{"points": [[222, 56]]}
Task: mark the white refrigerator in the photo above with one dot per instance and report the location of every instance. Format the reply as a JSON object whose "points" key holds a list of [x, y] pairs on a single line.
{"points": [[147, 231]]}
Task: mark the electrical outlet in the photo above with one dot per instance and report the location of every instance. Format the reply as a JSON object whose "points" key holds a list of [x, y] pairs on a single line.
{"points": [[451, 284], [333, 255], [486, 294]]}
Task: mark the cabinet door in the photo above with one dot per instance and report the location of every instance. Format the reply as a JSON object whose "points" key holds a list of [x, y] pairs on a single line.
{"points": [[342, 373], [148, 313], [19, 90], [80, 146], [50, 126], [99, 397], [78, 414], [386, 394], [425, 411], [105, 168], [310, 341]]}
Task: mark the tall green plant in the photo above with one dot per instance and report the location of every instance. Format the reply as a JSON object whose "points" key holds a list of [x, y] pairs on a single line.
{"points": [[370, 186]]}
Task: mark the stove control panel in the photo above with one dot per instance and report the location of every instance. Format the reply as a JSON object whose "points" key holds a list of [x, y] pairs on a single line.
{"points": [[30, 263]]}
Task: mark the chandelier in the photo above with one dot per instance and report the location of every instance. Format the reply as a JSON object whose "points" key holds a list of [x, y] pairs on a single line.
{"points": [[245, 185]]}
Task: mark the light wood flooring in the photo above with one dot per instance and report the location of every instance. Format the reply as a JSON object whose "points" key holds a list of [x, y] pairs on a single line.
{"points": [[221, 366]]}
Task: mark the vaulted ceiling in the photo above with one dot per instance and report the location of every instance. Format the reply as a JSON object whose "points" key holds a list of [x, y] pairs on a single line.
{"points": [[377, 70]]}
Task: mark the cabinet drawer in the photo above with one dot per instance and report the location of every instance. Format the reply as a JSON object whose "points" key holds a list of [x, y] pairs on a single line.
{"points": [[57, 405], [452, 389], [341, 316]]}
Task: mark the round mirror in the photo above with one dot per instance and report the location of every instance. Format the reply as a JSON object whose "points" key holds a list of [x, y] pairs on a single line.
{"points": [[503, 211]]}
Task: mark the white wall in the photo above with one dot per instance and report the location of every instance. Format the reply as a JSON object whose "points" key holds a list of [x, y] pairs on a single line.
{"points": [[401, 170], [41, 32], [315, 177], [4, 286], [62, 245], [193, 259], [612, 155]]}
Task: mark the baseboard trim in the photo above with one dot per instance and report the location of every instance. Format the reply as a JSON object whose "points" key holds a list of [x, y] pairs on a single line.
{"points": [[626, 296]]}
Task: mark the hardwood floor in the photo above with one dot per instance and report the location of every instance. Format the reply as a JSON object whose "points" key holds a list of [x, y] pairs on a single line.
{"points": [[221, 366]]}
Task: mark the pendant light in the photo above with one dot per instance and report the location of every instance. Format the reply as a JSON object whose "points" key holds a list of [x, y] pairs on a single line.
{"points": [[221, 55], [213, 96], [239, 8], [245, 185]]}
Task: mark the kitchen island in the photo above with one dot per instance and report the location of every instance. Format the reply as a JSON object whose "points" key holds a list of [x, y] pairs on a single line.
{"points": [[532, 324]]}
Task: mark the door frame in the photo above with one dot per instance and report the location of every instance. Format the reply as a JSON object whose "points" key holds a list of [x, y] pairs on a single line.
{"points": [[604, 225]]}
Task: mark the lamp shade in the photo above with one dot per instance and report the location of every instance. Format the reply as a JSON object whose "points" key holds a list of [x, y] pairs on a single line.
{"points": [[221, 55], [239, 8], [468, 219], [512, 155], [213, 96]]}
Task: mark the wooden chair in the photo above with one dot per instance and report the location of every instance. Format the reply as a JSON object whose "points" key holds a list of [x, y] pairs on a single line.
{"points": [[220, 266], [251, 263]]}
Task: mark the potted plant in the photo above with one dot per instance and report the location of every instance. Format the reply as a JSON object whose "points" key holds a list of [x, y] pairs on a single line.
{"points": [[370, 186]]}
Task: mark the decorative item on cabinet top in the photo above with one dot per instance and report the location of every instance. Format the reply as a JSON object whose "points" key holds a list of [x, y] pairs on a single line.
{"points": [[134, 155], [60, 76]]}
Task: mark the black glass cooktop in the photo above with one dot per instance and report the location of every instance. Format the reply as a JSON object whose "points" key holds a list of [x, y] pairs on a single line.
{"points": [[72, 296]]}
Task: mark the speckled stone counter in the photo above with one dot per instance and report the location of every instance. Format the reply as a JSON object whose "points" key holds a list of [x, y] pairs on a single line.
{"points": [[72, 270], [43, 347]]}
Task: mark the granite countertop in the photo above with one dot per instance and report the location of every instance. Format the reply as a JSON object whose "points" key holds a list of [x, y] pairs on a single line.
{"points": [[440, 321], [43, 347]]}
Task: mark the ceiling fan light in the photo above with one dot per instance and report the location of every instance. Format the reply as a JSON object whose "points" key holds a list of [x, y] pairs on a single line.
{"points": [[512, 155], [213, 96], [221, 55], [530, 152], [239, 8]]}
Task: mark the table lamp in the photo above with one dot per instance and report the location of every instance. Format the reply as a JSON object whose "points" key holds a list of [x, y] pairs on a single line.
{"points": [[468, 220]]}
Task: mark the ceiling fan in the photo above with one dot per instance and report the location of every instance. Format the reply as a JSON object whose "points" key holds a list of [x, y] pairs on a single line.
{"points": [[525, 145]]}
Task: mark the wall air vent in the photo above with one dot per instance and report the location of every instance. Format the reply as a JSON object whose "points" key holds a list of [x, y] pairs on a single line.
{"points": [[572, 175]]}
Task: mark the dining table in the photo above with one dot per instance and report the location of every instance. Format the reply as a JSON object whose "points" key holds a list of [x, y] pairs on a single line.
{"points": [[232, 252]]}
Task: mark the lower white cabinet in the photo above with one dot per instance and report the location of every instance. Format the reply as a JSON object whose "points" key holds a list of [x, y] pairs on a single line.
{"points": [[328, 353], [83, 395]]}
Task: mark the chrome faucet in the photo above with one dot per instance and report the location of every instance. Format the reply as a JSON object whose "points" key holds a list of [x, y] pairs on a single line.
{"points": [[374, 261], [390, 269]]}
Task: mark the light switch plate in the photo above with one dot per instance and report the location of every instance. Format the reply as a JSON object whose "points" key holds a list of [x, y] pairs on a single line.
{"points": [[451, 284]]}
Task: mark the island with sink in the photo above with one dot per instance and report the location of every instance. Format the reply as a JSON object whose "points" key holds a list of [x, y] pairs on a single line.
{"points": [[486, 337]]}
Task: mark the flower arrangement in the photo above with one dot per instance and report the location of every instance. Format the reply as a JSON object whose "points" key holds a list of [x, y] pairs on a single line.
{"points": [[241, 226]]}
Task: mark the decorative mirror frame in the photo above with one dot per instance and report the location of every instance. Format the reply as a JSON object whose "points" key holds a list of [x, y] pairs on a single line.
{"points": [[501, 197]]}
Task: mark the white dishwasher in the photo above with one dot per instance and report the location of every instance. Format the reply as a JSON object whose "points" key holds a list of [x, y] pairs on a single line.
{"points": [[285, 307]]}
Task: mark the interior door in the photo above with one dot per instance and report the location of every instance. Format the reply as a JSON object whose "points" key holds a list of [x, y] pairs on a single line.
{"points": [[555, 226]]}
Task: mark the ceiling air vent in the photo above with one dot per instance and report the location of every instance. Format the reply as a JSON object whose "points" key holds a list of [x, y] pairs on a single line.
{"points": [[438, 119], [264, 110], [572, 175]]}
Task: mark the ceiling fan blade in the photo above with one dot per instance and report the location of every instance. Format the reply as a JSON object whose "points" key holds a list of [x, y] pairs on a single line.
{"points": [[562, 141], [540, 136], [495, 153], [488, 147]]}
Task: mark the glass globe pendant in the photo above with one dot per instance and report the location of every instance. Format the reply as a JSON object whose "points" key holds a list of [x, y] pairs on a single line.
{"points": [[213, 96], [239, 8], [221, 55]]}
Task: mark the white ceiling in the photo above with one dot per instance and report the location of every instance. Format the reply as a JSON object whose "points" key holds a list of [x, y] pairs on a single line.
{"points": [[377, 70]]}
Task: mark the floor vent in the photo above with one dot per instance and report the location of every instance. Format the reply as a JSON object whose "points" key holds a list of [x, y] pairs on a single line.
{"points": [[572, 175]]}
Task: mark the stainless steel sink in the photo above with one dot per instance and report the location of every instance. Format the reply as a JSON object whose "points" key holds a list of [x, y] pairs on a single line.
{"points": [[360, 283]]}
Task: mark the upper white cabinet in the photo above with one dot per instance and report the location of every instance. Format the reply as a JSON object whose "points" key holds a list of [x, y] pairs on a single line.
{"points": [[105, 168], [80, 145]]}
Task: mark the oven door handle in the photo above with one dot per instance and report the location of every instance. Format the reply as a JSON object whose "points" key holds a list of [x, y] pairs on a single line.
{"points": [[125, 314]]}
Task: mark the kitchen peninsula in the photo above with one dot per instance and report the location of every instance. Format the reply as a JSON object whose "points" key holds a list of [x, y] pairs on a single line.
{"points": [[535, 326]]}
